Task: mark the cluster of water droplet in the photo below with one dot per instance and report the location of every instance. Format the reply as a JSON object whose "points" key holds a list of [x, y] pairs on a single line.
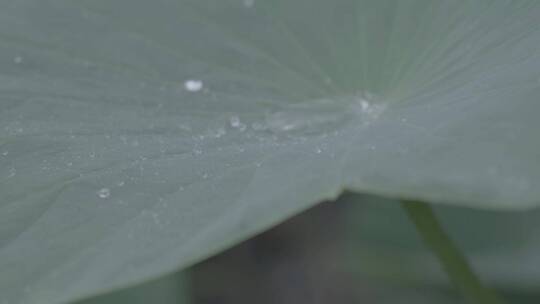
{"points": [[285, 125], [299, 119]]}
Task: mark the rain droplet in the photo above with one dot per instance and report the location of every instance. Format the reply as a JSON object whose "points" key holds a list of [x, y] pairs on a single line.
{"points": [[197, 151], [18, 60], [257, 126], [236, 123], [104, 193], [318, 150], [12, 172], [5, 153], [193, 85], [369, 111], [364, 105]]}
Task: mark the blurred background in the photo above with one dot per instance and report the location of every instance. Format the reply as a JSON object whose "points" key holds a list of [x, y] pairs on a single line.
{"points": [[357, 249]]}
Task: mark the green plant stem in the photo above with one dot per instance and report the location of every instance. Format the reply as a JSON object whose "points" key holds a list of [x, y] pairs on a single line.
{"points": [[450, 257]]}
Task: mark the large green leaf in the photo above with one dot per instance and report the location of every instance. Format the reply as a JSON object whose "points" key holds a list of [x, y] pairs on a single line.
{"points": [[138, 137]]}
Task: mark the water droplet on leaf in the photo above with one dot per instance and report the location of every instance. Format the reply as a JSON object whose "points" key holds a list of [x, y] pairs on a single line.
{"points": [[104, 193], [257, 126], [237, 124], [193, 85], [197, 151]]}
